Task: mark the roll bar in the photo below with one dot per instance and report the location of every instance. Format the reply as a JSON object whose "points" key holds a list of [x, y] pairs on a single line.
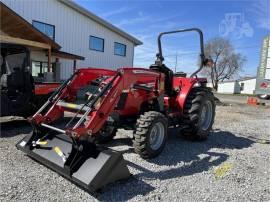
{"points": [[160, 57]]}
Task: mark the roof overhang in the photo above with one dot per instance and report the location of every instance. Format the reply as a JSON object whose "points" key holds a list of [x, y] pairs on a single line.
{"points": [[66, 55], [24, 42], [16, 30], [16, 27]]}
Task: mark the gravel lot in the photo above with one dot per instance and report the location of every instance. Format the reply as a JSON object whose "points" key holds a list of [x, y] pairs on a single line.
{"points": [[232, 165]]}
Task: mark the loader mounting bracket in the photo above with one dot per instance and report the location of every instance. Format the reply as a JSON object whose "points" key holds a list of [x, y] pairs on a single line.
{"points": [[80, 152]]}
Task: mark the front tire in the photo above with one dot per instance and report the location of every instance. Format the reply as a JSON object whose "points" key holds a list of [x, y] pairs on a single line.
{"points": [[199, 114], [150, 135]]}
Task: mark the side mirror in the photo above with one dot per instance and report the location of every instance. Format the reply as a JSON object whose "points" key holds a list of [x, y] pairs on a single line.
{"points": [[208, 62]]}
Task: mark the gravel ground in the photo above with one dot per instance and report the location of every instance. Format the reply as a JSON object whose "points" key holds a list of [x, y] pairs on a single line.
{"points": [[239, 99], [232, 165]]}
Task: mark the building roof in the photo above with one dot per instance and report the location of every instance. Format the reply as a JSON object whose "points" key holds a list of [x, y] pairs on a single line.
{"points": [[247, 78], [241, 79], [228, 81], [14, 25], [99, 20], [18, 30]]}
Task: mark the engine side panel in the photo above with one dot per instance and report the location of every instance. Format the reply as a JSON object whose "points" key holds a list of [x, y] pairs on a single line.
{"points": [[136, 97]]}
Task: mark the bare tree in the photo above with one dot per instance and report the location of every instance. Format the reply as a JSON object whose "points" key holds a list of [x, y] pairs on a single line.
{"points": [[226, 62]]}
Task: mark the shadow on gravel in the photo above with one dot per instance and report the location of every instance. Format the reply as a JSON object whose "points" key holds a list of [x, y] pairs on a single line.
{"points": [[184, 158], [196, 157], [14, 128]]}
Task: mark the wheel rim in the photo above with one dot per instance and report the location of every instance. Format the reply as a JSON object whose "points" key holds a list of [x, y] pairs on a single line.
{"points": [[157, 134], [206, 115]]}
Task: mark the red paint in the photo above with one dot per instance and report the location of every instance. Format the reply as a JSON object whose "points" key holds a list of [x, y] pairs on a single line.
{"points": [[264, 85], [123, 83], [252, 101], [45, 88]]}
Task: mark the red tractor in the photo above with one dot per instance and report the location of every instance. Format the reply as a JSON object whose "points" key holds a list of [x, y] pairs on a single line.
{"points": [[20, 93], [101, 101]]}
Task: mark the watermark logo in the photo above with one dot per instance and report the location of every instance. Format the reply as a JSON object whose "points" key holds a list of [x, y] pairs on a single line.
{"points": [[234, 24]]}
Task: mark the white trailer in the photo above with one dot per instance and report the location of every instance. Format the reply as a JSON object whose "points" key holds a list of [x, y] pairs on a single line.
{"points": [[228, 87]]}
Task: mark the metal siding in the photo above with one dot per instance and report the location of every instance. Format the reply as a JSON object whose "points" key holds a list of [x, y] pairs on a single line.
{"points": [[72, 31], [227, 87], [249, 86]]}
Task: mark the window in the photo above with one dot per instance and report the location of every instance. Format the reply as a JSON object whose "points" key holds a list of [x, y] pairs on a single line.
{"points": [[47, 29], [120, 49], [242, 86], [39, 68], [36, 68], [96, 44]]}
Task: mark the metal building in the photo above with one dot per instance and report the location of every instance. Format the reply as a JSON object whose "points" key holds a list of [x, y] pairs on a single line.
{"points": [[247, 85], [77, 31], [244, 85], [228, 87]]}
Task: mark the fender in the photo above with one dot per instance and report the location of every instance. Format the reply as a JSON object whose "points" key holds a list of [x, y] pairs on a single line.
{"points": [[185, 85]]}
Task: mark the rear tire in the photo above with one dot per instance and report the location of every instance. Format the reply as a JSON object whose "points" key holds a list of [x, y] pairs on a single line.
{"points": [[151, 134], [199, 114]]}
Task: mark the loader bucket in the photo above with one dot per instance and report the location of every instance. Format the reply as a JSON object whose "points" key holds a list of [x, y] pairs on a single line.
{"points": [[92, 172]]}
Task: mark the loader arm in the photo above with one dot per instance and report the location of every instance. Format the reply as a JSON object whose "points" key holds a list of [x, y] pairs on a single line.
{"points": [[126, 79], [94, 113]]}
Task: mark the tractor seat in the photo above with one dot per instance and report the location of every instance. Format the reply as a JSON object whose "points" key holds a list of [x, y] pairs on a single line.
{"points": [[15, 79], [168, 77], [180, 74]]}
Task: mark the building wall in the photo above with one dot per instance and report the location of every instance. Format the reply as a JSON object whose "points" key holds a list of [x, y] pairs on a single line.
{"points": [[227, 87], [209, 85], [243, 87], [248, 86], [72, 31], [237, 87]]}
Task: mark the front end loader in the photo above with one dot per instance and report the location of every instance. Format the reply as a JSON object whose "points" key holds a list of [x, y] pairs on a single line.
{"points": [[70, 128]]}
